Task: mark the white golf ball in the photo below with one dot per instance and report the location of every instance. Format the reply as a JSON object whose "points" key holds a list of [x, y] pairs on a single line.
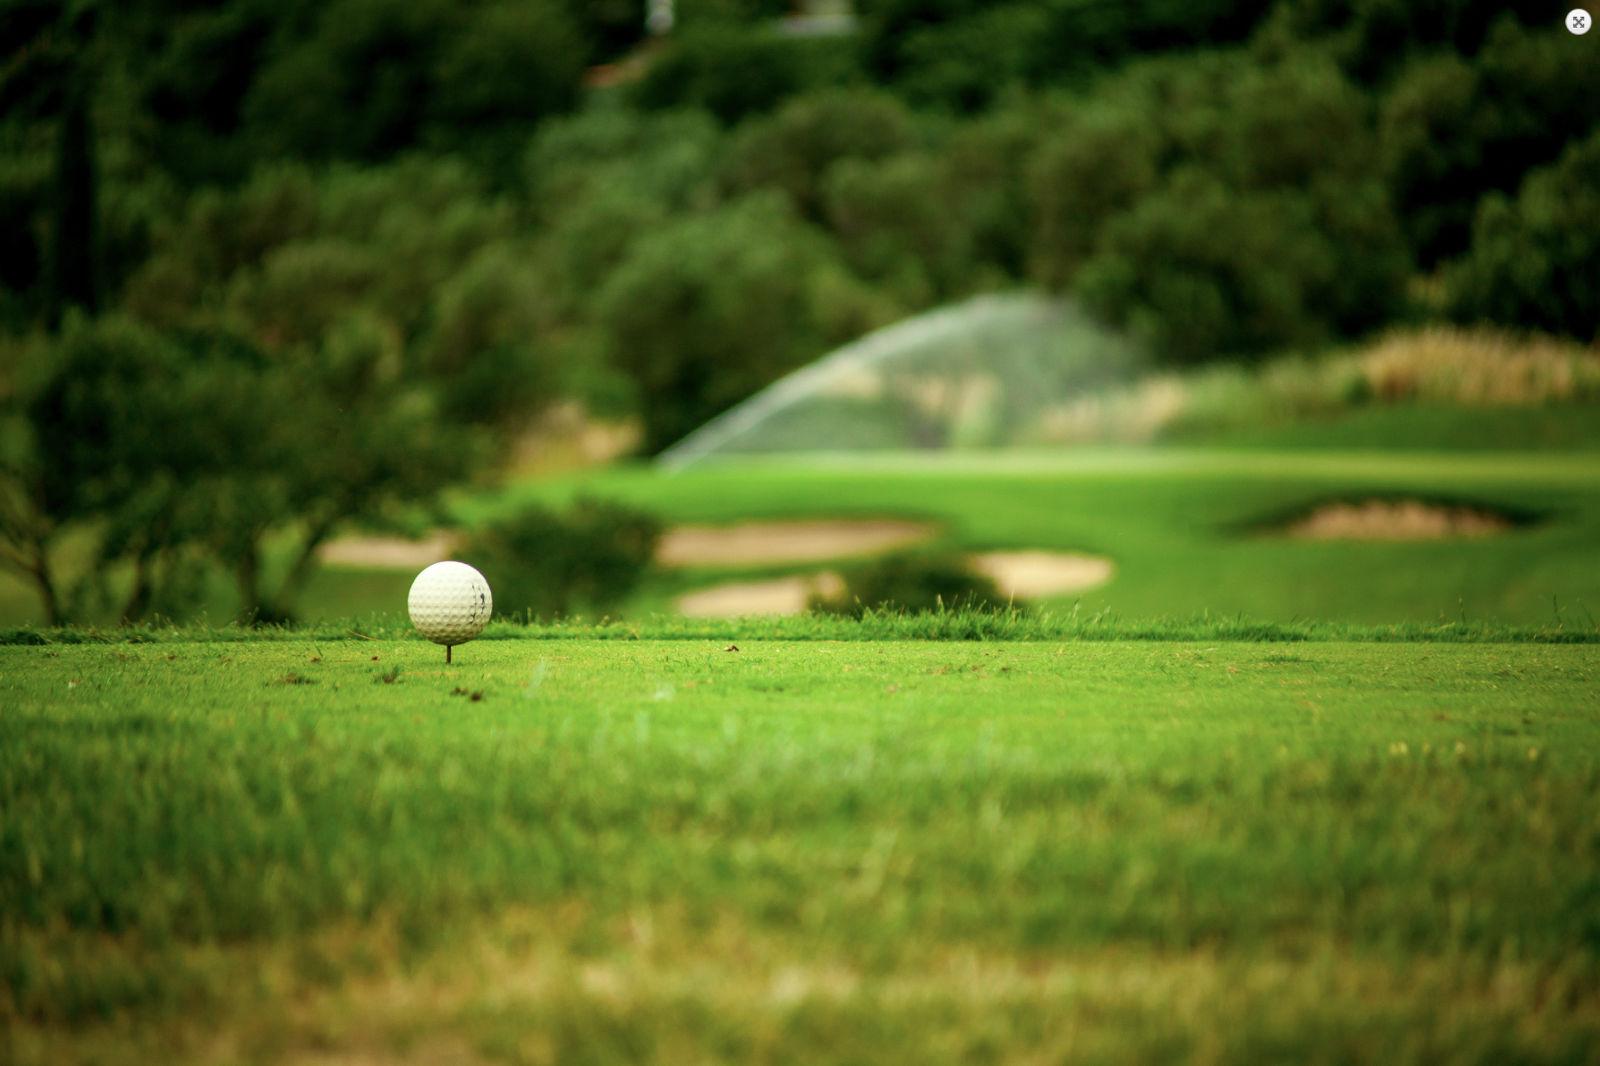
{"points": [[450, 603]]}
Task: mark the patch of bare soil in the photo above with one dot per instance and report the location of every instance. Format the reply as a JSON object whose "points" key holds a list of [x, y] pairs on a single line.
{"points": [[782, 543], [781, 595], [1396, 520], [390, 553], [1028, 575]]}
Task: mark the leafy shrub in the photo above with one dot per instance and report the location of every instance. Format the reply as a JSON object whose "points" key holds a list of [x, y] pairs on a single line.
{"points": [[960, 54], [544, 564], [895, 227], [1272, 230], [709, 308], [369, 79], [792, 150], [736, 71], [600, 180], [1163, 272], [1456, 128], [415, 254], [985, 164], [911, 581], [1097, 164], [1534, 259], [963, 65], [664, 158]]}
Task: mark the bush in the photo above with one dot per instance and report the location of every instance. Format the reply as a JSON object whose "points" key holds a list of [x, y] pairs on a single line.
{"points": [[1196, 271], [708, 309], [663, 158], [416, 253], [963, 65], [792, 150], [911, 581], [1455, 130], [375, 78], [895, 226], [1099, 163], [543, 564], [1534, 259], [601, 180], [960, 54], [736, 71], [1272, 232], [986, 167]]}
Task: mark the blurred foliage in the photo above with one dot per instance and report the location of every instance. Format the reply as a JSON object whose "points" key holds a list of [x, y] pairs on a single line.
{"points": [[735, 71], [911, 581], [544, 564], [1456, 129], [1535, 258], [172, 451], [707, 309], [1223, 224], [413, 222], [793, 149]]}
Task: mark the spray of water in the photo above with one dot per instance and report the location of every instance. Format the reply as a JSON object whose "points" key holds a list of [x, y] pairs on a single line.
{"points": [[985, 373]]}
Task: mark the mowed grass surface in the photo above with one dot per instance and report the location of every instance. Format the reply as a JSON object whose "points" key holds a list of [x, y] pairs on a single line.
{"points": [[1188, 531], [583, 851], [1185, 528]]}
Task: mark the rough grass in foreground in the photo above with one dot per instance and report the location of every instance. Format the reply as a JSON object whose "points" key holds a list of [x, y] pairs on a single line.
{"points": [[579, 850]]}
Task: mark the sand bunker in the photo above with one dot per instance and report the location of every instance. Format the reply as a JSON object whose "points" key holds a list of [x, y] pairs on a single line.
{"points": [[1396, 520], [390, 553], [1023, 575], [1027, 575], [782, 595], [781, 543]]}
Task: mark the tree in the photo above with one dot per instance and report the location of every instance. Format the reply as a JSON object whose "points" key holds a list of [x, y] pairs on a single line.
{"points": [[370, 79], [1534, 259], [738, 71], [1271, 231], [1198, 270], [51, 78], [1455, 128], [709, 308], [894, 225], [393, 322], [105, 440], [792, 149], [1094, 165]]}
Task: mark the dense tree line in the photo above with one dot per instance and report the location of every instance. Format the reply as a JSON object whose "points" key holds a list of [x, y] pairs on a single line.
{"points": [[318, 257]]}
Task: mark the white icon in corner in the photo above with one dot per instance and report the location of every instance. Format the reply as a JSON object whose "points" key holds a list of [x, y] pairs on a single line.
{"points": [[1578, 21]]}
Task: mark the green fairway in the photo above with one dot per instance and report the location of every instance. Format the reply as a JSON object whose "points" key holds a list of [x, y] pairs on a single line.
{"points": [[599, 851], [1184, 528]]}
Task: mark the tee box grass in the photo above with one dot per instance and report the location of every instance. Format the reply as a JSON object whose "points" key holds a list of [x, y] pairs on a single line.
{"points": [[824, 851]]}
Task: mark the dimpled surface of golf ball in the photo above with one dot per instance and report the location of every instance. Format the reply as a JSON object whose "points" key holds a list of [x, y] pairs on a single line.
{"points": [[450, 603]]}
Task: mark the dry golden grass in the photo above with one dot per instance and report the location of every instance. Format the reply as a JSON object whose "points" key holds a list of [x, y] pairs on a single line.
{"points": [[1437, 365], [673, 986], [1479, 368]]}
